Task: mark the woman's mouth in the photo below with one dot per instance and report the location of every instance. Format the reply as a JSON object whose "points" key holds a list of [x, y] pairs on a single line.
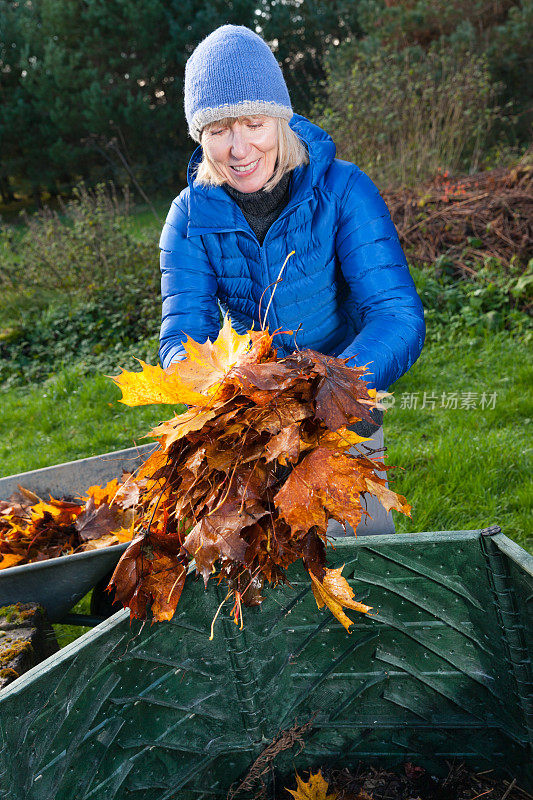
{"points": [[246, 169]]}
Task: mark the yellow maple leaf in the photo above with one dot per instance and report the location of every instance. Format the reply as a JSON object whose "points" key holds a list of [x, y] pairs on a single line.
{"points": [[343, 438], [182, 424], [316, 788], [387, 497], [102, 494], [63, 513], [192, 381], [335, 592], [155, 385]]}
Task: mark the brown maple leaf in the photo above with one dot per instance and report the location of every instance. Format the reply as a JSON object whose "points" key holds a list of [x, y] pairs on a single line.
{"points": [[323, 481], [96, 521], [127, 579], [218, 534], [245, 482], [285, 446], [165, 584], [314, 554], [342, 397]]}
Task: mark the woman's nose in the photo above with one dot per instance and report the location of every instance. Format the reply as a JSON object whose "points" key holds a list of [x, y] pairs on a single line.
{"points": [[239, 145]]}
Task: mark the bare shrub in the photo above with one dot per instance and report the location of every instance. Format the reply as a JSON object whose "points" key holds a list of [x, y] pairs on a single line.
{"points": [[401, 115], [79, 250]]}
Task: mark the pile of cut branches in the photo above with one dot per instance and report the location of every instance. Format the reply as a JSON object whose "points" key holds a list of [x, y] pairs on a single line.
{"points": [[32, 529], [244, 482], [470, 219]]}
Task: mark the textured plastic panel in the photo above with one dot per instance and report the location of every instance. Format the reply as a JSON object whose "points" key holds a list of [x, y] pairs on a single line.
{"points": [[143, 712]]}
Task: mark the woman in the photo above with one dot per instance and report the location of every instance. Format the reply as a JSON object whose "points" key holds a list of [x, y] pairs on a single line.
{"points": [[264, 182]]}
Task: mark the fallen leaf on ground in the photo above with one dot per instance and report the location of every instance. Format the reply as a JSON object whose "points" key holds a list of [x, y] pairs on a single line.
{"points": [[316, 788]]}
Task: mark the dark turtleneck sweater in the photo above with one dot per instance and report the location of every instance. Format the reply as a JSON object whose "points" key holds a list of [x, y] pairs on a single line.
{"points": [[261, 208]]}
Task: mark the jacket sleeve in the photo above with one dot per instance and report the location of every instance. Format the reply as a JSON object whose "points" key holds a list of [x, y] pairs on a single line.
{"points": [[374, 265], [188, 286]]}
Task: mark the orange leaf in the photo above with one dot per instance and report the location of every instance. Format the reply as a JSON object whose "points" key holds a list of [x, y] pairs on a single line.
{"points": [[165, 583], [9, 560], [324, 480], [387, 497], [61, 511], [335, 592], [103, 494], [341, 439]]}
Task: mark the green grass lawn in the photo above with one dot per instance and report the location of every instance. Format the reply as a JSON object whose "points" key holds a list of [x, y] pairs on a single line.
{"points": [[466, 467], [461, 468], [69, 417]]}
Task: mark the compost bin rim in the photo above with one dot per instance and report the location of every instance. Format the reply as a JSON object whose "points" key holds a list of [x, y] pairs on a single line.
{"points": [[65, 652], [341, 543], [515, 552]]}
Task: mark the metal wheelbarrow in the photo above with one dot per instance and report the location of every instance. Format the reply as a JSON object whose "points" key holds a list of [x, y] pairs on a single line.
{"points": [[59, 583]]}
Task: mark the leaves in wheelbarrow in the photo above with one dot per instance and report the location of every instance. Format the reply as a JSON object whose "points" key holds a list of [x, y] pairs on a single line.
{"points": [[245, 482], [32, 529]]}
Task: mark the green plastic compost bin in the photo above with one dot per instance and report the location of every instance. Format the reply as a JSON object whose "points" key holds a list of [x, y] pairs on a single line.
{"points": [[442, 672]]}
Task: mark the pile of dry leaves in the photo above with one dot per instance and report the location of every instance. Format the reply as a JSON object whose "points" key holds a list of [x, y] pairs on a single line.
{"points": [[244, 483], [32, 529]]}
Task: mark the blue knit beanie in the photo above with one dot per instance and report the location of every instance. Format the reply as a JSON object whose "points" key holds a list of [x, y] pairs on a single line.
{"points": [[233, 73]]}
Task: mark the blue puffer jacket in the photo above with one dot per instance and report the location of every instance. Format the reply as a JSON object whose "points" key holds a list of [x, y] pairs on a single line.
{"points": [[348, 286]]}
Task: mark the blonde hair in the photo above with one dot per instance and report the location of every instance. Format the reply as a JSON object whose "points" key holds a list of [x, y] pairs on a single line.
{"points": [[291, 153]]}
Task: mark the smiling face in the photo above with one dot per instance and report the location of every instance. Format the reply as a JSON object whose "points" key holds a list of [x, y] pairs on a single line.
{"points": [[243, 152]]}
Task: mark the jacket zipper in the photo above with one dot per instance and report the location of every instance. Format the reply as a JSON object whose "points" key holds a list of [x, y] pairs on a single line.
{"points": [[249, 232]]}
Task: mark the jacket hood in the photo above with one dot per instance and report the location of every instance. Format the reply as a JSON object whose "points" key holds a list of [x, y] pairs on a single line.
{"points": [[212, 209]]}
